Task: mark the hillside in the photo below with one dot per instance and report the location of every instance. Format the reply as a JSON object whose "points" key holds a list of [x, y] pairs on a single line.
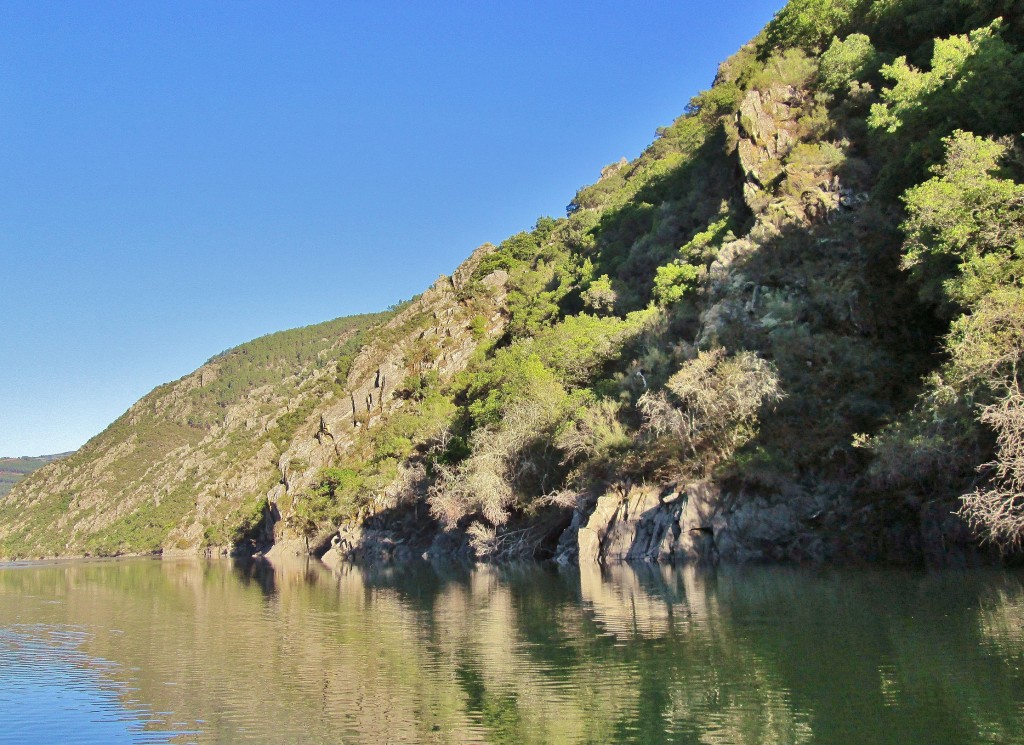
{"points": [[13, 470], [174, 454], [788, 330]]}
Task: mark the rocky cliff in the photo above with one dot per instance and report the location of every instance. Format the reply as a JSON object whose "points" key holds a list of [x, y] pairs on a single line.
{"points": [[13, 470]]}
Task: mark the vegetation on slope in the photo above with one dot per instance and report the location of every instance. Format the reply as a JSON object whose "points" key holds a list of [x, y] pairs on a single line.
{"points": [[806, 288], [13, 470], [758, 297], [216, 431]]}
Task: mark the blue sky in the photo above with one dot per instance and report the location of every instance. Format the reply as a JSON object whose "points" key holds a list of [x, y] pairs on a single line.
{"points": [[179, 177]]}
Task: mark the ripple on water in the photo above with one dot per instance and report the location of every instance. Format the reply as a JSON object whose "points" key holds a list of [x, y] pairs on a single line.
{"points": [[51, 691]]}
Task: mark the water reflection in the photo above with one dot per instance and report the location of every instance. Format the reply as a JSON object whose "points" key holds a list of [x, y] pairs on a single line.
{"points": [[220, 652], [50, 691]]}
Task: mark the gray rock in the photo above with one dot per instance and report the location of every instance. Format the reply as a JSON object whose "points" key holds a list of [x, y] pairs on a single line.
{"points": [[695, 524]]}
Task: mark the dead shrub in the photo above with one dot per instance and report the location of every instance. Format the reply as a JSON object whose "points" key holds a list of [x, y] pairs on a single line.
{"points": [[997, 513], [713, 409], [509, 462]]}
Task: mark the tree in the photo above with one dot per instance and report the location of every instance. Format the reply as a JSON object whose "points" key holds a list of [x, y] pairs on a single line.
{"points": [[965, 226], [809, 24], [997, 513], [988, 349], [974, 83], [674, 281], [337, 494], [600, 296], [965, 245], [844, 61]]}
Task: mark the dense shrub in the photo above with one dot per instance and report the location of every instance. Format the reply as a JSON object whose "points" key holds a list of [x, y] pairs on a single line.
{"points": [[845, 61]]}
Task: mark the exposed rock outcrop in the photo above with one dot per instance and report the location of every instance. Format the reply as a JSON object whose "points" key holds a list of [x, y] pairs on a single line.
{"points": [[432, 335], [769, 128], [693, 523], [194, 463]]}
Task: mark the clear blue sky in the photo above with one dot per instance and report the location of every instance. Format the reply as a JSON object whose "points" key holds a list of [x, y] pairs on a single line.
{"points": [[180, 177]]}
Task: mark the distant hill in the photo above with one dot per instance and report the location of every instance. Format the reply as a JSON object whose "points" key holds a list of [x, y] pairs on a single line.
{"points": [[13, 470]]}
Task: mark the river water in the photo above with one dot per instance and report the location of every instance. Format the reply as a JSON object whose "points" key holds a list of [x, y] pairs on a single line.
{"points": [[145, 651]]}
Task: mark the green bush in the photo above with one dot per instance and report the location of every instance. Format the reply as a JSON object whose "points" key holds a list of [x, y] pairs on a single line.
{"points": [[845, 61], [674, 281], [790, 67], [965, 225], [809, 24]]}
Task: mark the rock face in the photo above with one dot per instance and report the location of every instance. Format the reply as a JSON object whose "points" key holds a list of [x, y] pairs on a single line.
{"points": [[694, 523], [13, 470], [769, 128], [433, 334]]}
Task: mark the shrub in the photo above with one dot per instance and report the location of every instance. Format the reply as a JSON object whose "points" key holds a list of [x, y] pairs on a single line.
{"points": [[932, 448], [511, 460], [478, 327], [713, 409], [810, 23], [674, 281], [594, 433], [965, 226], [600, 296], [579, 346], [791, 67], [419, 385], [510, 375], [988, 348], [338, 493], [845, 61], [997, 513], [972, 81]]}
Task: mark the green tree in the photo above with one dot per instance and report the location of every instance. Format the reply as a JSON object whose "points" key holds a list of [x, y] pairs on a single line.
{"points": [[965, 225], [600, 296], [974, 83], [809, 24], [337, 494], [674, 281]]}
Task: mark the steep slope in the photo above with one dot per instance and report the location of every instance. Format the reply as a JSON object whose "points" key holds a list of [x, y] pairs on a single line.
{"points": [[13, 470], [790, 329], [213, 460], [203, 448]]}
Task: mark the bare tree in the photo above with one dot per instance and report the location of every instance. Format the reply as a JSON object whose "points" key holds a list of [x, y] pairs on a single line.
{"points": [[997, 513], [988, 349]]}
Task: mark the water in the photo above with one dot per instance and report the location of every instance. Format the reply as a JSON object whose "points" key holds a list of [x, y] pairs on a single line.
{"points": [[156, 652]]}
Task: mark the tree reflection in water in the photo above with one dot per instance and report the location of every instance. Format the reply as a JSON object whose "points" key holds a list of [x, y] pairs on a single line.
{"points": [[537, 654]]}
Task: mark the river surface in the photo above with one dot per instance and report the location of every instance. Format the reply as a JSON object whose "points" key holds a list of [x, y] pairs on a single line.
{"points": [[145, 651]]}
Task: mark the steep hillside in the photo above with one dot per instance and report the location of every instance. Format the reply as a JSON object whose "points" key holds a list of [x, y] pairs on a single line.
{"points": [[215, 459], [13, 470], [203, 448], [790, 329]]}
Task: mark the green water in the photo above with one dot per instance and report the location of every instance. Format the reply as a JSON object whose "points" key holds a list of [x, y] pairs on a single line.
{"points": [[150, 651]]}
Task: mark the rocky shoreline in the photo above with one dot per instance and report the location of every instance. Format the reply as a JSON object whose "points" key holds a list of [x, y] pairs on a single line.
{"points": [[694, 523]]}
